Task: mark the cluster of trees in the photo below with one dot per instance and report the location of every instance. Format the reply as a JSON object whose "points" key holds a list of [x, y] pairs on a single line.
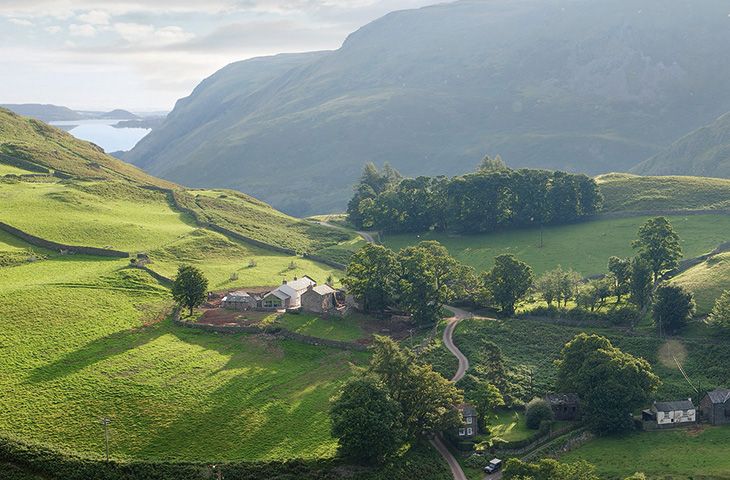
{"points": [[493, 198], [611, 383], [419, 279], [550, 469], [395, 400], [720, 315]]}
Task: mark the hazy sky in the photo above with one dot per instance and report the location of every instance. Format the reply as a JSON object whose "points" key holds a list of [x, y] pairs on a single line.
{"points": [[145, 54]]}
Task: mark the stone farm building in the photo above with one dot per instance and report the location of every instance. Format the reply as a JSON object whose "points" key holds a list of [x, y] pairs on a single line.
{"points": [[565, 406], [670, 414], [294, 290], [319, 299], [276, 300], [715, 407], [240, 301], [469, 429]]}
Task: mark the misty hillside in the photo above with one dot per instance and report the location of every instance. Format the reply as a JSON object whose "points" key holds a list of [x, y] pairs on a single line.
{"points": [[704, 152], [571, 84]]}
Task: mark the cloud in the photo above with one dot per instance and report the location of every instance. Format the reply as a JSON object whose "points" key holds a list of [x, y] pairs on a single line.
{"points": [[150, 36], [53, 29], [84, 30], [95, 17], [21, 22]]}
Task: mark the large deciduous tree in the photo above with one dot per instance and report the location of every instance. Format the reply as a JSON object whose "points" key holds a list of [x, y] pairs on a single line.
{"points": [[658, 244], [620, 269], [611, 383], [190, 287], [641, 284], [536, 412], [673, 308], [507, 282], [372, 277], [720, 315], [366, 421]]}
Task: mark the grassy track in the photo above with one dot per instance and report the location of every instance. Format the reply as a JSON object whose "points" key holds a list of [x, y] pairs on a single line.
{"points": [[671, 455], [92, 214], [75, 348], [707, 281], [584, 247]]}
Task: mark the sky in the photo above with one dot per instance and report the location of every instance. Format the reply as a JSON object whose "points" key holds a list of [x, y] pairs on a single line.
{"points": [[143, 55]]}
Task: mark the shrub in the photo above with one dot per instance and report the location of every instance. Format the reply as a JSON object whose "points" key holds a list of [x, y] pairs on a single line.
{"points": [[537, 411], [252, 263]]}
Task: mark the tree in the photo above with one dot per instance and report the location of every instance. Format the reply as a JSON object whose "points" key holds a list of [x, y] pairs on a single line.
{"points": [[673, 308], [595, 294], [641, 284], [536, 412], [425, 397], [489, 164], [485, 396], [366, 421], [372, 277], [720, 315], [548, 469], [658, 244], [190, 287], [558, 285], [620, 269], [611, 383], [507, 282]]}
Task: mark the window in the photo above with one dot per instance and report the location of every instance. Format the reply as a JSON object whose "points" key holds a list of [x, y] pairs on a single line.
{"points": [[462, 431], [469, 431], [469, 420]]}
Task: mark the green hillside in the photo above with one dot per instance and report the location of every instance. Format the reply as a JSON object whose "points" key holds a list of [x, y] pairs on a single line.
{"points": [[626, 193], [707, 281], [585, 247], [704, 152], [580, 86]]}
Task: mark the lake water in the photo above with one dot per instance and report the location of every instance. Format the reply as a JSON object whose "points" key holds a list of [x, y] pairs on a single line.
{"points": [[103, 134]]}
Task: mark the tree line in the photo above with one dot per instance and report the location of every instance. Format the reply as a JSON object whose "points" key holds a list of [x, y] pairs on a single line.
{"points": [[488, 200]]}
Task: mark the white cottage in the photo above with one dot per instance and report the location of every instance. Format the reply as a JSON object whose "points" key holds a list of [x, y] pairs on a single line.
{"points": [[671, 414], [295, 288]]}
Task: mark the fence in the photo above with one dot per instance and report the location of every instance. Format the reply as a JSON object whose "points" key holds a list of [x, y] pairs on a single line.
{"points": [[43, 243]]}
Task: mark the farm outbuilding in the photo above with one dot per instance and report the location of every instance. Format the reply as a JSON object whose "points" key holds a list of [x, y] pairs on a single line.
{"points": [[670, 414], [715, 407], [319, 299], [565, 406], [276, 300], [239, 301]]}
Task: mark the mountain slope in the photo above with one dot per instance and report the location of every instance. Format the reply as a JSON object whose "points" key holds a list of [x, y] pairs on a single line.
{"points": [[569, 84], [45, 113], [704, 152]]}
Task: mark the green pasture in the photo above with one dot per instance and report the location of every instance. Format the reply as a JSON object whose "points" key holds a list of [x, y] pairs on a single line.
{"points": [[668, 455], [114, 215], [83, 339], [346, 329], [510, 426], [6, 169], [707, 281], [585, 247]]}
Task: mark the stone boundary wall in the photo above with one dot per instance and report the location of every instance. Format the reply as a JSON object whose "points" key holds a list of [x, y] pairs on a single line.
{"points": [[666, 213], [276, 331], [40, 242], [157, 276]]}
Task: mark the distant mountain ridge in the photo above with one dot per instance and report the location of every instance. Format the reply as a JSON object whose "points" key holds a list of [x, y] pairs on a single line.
{"points": [[55, 113], [573, 85], [704, 152]]}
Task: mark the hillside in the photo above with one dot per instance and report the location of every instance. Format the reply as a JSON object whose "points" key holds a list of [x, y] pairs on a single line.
{"points": [[580, 86], [45, 113], [704, 152]]}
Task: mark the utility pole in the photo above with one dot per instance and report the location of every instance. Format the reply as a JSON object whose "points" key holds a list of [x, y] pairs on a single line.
{"points": [[542, 244], [105, 421]]}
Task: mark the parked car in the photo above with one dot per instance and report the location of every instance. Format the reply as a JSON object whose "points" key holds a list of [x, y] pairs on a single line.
{"points": [[494, 465]]}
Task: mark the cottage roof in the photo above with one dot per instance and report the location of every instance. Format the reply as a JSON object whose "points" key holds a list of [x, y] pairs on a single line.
{"points": [[674, 406], [278, 294], [240, 295], [323, 289], [562, 398], [719, 395], [467, 410], [300, 284]]}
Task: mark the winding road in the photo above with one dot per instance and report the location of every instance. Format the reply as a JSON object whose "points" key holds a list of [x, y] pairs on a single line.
{"points": [[448, 338]]}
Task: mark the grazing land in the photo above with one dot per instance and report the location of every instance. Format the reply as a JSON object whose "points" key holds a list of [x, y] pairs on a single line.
{"points": [[707, 281], [345, 329], [11, 170], [585, 247], [699, 452], [510, 426]]}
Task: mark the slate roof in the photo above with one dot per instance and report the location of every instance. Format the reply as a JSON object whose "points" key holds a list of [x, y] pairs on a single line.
{"points": [[562, 398], [674, 406], [719, 395], [237, 295], [278, 294], [301, 284], [323, 289], [468, 410]]}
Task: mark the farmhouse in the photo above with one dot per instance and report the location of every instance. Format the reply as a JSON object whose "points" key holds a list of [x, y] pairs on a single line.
{"points": [[670, 414], [469, 429], [319, 299], [276, 300], [565, 406], [715, 407], [239, 301], [294, 290]]}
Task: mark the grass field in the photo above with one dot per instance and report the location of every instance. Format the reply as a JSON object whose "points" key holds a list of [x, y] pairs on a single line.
{"points": [[6, 169], [220, 258], [79, 342], [707, 281], [345, 329], [92, 214], [510, 426], [585, 247], [624, 192], [668, 455]]}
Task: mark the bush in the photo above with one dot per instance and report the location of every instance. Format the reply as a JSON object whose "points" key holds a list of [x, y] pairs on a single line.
{"points": [[536, 412]]}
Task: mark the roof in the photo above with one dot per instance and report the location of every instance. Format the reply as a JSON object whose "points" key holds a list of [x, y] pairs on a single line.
{"points": [[719, 395], [236, 295], [278, 294], [300, 284], [323, 289], [562, 398], [467, 410], [674, 406]]}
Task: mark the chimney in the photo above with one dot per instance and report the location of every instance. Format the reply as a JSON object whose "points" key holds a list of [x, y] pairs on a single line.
{"points": [[283, 281], [295, 278]]}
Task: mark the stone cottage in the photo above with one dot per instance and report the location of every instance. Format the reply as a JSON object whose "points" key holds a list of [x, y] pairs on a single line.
{"points": [[239, 301], [565, 406], [319, 299], [670, 414], [469, 429], [275, 300], [715, 407]]}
